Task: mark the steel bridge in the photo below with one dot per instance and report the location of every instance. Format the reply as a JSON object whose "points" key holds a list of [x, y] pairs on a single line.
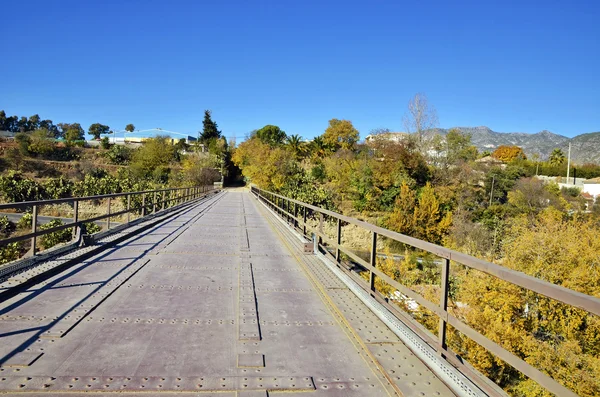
{"points": [[222, 293]]}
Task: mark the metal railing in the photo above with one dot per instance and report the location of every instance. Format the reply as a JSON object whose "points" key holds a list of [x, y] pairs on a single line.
{"points": [[144, 202], [295, 212]]}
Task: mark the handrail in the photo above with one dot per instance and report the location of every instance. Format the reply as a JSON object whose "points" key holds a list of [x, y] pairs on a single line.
{"points": [[160, 200], [28, 204], [282, 204]]}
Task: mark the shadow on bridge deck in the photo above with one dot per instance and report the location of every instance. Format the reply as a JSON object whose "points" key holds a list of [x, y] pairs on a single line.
{"points": [[218, 299]]}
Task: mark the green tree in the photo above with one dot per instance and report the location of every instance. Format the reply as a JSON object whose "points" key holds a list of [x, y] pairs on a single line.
{"points": [[557, 157], [3, 121], [33, 123], [341, 133], [130, 128], [23, 141], [271, 135], [155, 153], [209, 129], [73, 132], [459, 147], [98, 129], [42, 142], [23, 124], [295, 144], [105, 143], [49, 125], [319, 147]]}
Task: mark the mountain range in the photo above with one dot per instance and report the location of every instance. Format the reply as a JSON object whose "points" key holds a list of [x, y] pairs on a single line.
{"points": [[585, 148]]}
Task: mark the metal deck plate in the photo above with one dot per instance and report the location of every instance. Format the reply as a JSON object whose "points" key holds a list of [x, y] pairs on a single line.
{"points": [[211, 302]]}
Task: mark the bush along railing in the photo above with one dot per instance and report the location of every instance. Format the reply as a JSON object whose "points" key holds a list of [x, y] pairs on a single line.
{"points": [[310, 220], [140, 204]]}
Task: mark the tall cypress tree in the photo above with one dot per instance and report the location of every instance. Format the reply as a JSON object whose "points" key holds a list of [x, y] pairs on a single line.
{"points": [[209, 129]]}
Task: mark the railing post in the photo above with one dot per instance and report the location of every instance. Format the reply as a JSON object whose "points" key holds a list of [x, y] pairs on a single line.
{"points": [[304, 220], [444, 306], [128, 207], [163, 200], [75, 217], [320, 228], [143, 204], [154, 203], [339, 240], [34, 230], [373, 260], [108, 218], [295, 215]]}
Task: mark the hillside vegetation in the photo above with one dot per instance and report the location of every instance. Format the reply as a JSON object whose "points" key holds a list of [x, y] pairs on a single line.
{"points": [[38, 164], [434, 189]]}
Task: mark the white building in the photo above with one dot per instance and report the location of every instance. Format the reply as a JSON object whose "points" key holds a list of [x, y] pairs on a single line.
{"points": [[592, 187]]}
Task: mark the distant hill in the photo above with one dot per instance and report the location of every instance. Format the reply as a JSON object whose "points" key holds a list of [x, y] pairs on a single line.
{"points": [[585, 148]]}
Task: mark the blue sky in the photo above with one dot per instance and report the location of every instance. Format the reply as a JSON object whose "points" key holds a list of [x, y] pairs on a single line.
{"points": [[511, 65]]}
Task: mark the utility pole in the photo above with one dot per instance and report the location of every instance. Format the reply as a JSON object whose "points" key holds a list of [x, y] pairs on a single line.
{"points": [[568, 162]]}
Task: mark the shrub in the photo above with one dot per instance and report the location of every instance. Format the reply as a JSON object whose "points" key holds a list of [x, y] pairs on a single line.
{"points": [[105, 143], [25, 221], [572, 191], [56, 188], [119, 154], [16, 188], [91, 228], [10, 252], [51, 239], [6, 226]]}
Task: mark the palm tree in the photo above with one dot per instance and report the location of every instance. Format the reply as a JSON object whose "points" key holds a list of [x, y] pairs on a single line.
{"points": [[319, 147], [557, 157], [295, 144]]}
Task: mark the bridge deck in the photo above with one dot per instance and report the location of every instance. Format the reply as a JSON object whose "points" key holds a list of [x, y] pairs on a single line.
{"points": [[215, 300]]}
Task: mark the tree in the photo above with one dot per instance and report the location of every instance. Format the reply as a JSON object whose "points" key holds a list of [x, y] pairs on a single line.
{"points": [[155, 155], [319, 147], [98, 129], [47, 124], [130, 128], [23, 124], [421, 116], [23, 141], [557, 157], [3, 121], [42, 142], [459, 147], [271, 135], [269, 167], [8, 123], [509, 153], [341, 133], [200, 169], [209, 129], [295, 144], [72, 132], [33, 123], [420, 217]]}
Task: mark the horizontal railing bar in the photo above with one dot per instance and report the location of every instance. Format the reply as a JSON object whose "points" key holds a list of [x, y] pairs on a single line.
{"points": [[557, 292], [41, 232], [24, 204]]}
